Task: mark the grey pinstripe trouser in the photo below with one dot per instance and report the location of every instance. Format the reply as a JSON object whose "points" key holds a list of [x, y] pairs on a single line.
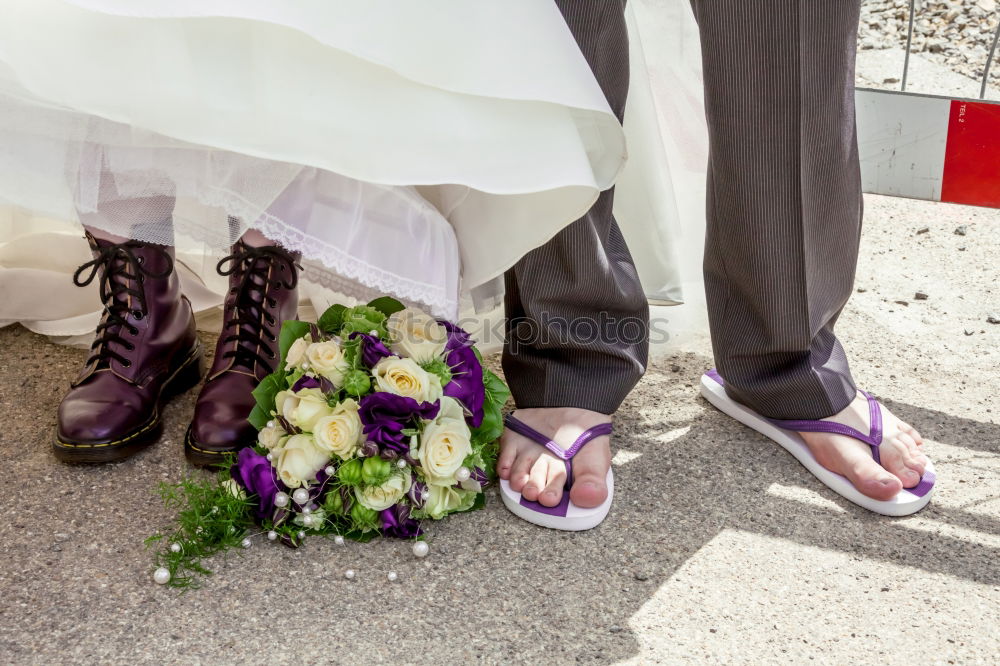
{"points": [[784, 217]]}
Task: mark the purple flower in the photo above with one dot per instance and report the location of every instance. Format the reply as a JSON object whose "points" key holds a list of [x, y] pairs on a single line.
{"points": [[305, 382], [254, 473], [417, 493], [396, 522], [466, 384], [372, 349], [480, 477], [385, 415]]}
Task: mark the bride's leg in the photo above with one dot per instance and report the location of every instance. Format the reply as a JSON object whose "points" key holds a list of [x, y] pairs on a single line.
{"points": [[145, 348], [263, 293], [564, 377]]}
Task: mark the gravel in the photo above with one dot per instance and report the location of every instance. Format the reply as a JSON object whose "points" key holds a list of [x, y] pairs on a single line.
{"points": [[956, 33]]}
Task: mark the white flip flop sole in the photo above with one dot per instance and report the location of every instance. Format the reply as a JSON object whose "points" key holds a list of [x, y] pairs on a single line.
{"points": [[904, 503], [565, 516]]}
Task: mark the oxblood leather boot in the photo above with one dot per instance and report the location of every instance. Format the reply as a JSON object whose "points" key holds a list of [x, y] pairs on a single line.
{"points": [[263, 293], [145, 352]]}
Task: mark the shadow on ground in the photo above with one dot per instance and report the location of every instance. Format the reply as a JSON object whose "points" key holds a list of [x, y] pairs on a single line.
{"points": [[76, 578]]}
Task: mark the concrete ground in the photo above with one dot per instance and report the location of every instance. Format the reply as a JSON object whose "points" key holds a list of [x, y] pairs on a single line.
{"points": [[720, 547]]}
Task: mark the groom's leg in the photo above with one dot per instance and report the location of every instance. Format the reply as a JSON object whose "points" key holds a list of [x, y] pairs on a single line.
{"points": [[784, 198], [577, 315], [784, 221]]}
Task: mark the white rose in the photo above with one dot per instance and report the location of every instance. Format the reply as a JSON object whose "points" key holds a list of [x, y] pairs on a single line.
{"points": [[416, 335], [303, 408], [327, 359], [271, 437], [442, 500], [296, 353], [380, 498], [316, 520], [298, 461], [340, 433], [445, 443], [404, 377], [235, 489]]}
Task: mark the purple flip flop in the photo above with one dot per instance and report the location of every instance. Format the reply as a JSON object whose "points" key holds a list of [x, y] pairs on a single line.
{"points": [[565, 515], [785, 433]]}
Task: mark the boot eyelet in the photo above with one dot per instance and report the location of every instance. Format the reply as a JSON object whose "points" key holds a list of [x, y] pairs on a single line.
{"points": [[137, 315], [129, 346], [133, 331], [142, 260], [271, 355], [127, 364]]}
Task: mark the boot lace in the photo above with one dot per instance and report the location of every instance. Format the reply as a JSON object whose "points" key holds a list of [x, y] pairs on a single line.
{"points": [[254, 342], [119, 267]]}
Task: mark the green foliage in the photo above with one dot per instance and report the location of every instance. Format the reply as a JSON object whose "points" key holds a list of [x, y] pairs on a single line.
{"points": [[374, 471], [496, 396], [439, 368], [387, 305], [366, 519], [264, 394], [364, 319], [350, 472], [357, 383], [331, 320], [210, 520]]}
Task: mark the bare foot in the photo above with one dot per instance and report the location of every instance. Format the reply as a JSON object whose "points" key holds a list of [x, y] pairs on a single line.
{"points": [[903, 460], [541, 477]]}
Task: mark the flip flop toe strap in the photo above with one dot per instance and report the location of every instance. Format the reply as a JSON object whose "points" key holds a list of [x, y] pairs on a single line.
{"points": [[566, 455], [873, 439]]}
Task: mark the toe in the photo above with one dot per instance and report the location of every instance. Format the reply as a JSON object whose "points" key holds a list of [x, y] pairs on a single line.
{"points": [[521, 468], [912, 432], [537, 478], [873, 480], [894, 457], [508, 454], [912, 457], [590, 473], [552, 493]]}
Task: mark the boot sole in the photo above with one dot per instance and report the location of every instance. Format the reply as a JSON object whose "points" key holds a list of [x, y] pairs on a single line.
{"points": [[184, 378], [201, 457]]}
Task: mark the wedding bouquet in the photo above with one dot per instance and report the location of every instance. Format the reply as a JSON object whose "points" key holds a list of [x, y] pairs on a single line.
{"points": [[377, 417]]}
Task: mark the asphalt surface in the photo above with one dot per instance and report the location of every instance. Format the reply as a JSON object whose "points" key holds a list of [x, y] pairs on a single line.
{"points": [[720, 547]]}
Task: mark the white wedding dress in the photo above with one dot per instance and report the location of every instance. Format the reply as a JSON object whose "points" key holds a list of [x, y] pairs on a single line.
{"points": [[417, 149]]}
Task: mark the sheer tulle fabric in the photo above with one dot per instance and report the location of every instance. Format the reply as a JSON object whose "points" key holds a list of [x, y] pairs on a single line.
{"points": [[351, 132]]}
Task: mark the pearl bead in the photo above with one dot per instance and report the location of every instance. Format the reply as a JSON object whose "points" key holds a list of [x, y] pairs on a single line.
{"points": [[269, 457], [329, 470], [307, 521], [281, 500], [306, 510], [301, 534], [175, 548], [420, 549], [161, 576], [349, 574], [339, 540], [270, 424], [400, 463], [392, 576], [215, 509], [245, 543], [272, 535], [373, 333], [301, 496], [305, 366], [463, 473]]}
